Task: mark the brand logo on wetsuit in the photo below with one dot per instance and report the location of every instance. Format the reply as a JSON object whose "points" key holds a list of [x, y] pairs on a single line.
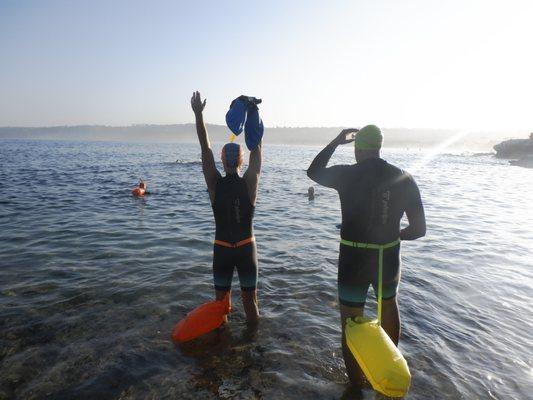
{"points": [[385, 197]]}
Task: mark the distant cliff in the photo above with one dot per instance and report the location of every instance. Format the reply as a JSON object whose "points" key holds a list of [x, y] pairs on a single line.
{"points": [[134, 133], [394, 137], [515, 148]]}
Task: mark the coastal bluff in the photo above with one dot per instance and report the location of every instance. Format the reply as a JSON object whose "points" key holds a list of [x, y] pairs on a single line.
{"points": [[520, 151], [515, 148]]}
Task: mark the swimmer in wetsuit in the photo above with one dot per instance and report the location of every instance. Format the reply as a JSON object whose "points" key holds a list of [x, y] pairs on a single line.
{"points": [[374, 196], [233, 201]]}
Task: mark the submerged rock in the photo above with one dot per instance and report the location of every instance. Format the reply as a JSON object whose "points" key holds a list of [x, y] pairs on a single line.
{"points": [[515, 148], [526, 162]]}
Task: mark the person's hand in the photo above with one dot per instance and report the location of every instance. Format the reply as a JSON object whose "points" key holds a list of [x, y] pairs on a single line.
{"points": [[196, 103], [342, 137]]}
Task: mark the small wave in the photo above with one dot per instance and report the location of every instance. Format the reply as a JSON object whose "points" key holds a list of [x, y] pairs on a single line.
{"points": [[181, 162]]}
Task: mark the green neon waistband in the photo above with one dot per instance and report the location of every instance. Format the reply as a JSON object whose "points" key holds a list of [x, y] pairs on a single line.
{"points": [[370, 245]]}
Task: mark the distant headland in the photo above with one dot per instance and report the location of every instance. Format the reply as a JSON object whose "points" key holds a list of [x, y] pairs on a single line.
{"points": [[186, 133], [520, 151]]}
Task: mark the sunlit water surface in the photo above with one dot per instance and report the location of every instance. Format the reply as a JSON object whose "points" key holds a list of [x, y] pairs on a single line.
{"points": [[93, 280]]}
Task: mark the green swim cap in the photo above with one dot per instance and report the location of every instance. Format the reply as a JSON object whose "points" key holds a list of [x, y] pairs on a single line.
{"points": [[369, 138]]}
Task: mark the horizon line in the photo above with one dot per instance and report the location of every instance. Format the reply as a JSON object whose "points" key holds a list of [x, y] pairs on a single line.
{"points": [[478, 130]]}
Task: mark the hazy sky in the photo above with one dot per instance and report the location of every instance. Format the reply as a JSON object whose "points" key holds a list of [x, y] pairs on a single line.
{"points": [[411, 63]]}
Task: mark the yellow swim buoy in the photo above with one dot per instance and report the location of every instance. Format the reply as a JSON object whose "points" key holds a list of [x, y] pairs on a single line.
{"points": [[381, 361]]}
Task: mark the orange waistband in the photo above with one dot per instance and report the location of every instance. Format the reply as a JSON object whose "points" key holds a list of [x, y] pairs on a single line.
{"points": [[233, 245]]}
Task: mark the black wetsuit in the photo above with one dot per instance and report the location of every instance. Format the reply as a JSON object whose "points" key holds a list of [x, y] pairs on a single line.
{"points": [[374, 196], [234, 213]]}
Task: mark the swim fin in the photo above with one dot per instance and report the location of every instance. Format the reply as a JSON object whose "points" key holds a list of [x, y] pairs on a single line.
{"points": [[236, 116], [244, 114], [253, 128]]}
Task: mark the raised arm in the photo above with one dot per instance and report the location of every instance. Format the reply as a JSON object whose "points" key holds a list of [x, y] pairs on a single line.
{"points": [[317, 171], [253, 172], [209, 168]]}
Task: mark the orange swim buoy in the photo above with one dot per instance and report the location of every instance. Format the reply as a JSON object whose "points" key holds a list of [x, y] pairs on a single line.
{"points": [[138, 191], [202, 319]]}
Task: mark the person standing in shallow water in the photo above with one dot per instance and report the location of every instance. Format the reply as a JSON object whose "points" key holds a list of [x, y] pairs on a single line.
{"points": [[233, 200], [374, 196]]}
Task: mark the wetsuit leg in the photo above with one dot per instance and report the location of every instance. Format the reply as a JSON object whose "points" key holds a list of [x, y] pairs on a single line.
{"points": [[223, 266], [246, 262], [391, 273], [353, 283], [353, 280], [247, 270], [390, 317], [358, 268]]}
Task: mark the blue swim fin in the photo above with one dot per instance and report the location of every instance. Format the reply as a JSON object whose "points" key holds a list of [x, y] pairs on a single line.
{"points": [[236, 116], [253, 128], [244, 114]]}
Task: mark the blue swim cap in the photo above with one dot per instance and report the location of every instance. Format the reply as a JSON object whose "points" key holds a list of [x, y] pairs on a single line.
{"points": [[232, 155]]}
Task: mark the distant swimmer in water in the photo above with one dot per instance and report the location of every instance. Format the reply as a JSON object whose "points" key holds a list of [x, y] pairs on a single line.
{"points": [[374, 196], [233, 200], [311, 193], [140, 190]]}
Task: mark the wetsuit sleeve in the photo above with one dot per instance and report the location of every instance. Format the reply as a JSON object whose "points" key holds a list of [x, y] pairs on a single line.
{"points": [[318, 172], [414, 210], [413, 199]]}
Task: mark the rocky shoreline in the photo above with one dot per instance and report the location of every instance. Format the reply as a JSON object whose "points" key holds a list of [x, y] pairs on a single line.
{"points": [[519, 151]]}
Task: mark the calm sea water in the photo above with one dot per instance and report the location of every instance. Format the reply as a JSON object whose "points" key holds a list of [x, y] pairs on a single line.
{"points": [[93, 280]]}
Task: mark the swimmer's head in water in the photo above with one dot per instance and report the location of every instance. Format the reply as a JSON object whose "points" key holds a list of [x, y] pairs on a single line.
{"points": [[368, 138], [232, 156], [142, 185]]}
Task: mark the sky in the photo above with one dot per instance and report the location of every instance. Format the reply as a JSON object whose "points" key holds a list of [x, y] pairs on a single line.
{"points": [[457, 64]]}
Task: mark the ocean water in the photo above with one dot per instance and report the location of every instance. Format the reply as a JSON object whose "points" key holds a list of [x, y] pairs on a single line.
{"points": [[93, 280]]}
